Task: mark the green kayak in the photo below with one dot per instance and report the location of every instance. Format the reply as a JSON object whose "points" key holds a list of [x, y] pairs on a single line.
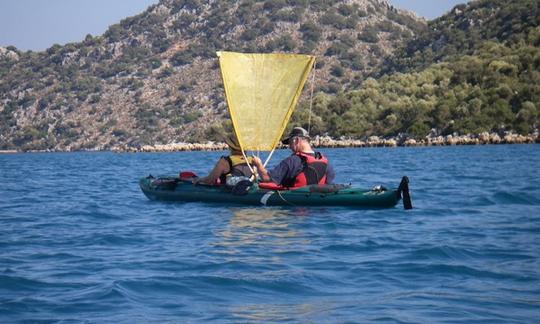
{"points": [[247, 193]]}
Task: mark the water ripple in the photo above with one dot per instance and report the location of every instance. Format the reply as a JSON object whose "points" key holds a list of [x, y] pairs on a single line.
{"points": [[79, 242]]}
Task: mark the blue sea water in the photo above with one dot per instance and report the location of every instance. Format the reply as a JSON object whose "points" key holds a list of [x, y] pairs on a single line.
{"points": [[80, 242]]}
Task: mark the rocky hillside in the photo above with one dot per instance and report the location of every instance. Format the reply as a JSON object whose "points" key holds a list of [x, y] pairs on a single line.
{"points": [[153, 78], [463, 31]]}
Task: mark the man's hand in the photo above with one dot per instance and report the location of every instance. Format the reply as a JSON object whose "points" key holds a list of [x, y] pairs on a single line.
{"points": [[260, 168], [256, 161]]}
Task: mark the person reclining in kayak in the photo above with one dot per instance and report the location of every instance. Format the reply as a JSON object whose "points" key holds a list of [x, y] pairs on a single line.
{"points": [[303, 167], [233, 165]]}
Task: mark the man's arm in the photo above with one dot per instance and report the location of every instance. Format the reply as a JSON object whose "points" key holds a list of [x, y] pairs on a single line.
{"points": [[263, 173], [222, 166], [286, 169]]}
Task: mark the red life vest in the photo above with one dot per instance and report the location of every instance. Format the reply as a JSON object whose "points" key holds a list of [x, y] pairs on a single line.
{"points": [[314, 170]]}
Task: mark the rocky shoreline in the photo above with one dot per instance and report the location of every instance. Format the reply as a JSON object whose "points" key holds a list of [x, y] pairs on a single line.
{"points": [[372, 141], [328, 142]]}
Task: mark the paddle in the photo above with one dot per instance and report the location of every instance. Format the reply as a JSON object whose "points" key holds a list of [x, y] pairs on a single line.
{"points": [[403, 192]]}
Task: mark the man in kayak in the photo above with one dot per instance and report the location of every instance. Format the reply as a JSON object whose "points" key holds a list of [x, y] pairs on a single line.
{"points": [[233, 165], [303, 167]]}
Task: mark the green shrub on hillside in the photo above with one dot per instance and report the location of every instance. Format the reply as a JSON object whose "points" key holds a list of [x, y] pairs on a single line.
{"points": [[264, 26], [274, 5], [147, 117], [115, 33], [191, 116], [284, 43], [368, 35], [337, 70], [334, 19], [249, 34], [286, 14], [181, 58], [337, 48], [310, 31]]}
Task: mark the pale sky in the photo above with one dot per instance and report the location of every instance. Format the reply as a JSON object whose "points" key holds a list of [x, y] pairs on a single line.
{"points": [[427, 8], [38, 24]]}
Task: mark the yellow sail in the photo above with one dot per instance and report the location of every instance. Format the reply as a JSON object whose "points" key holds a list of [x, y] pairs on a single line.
{"points": [[262, 91]]}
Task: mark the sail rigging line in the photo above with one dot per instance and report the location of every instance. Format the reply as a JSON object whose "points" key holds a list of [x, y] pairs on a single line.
{"points": [[269, 157], [254, 172], [311, 95], [285, 200]]}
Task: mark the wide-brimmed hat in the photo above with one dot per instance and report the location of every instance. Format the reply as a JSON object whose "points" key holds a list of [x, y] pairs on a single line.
{"points": [[295, 132], [232, 141]]}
